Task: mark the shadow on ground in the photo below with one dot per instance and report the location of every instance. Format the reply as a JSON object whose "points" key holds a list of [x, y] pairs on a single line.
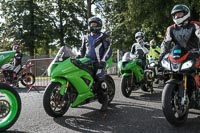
{"points": [[125, 117]]}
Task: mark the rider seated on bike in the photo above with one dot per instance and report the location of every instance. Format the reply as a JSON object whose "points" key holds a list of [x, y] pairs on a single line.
{"points": [[96, 46], [141, 48], [17, 58], [154, 51], [184, 32], [17, 63]]}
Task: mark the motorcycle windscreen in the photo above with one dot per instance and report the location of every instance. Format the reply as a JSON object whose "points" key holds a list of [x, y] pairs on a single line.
{"points": [[63, 54], [126, 57], [178, 52]]}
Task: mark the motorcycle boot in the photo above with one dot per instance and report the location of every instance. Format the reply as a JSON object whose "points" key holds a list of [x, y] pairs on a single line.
{"points": [[102, 93], [104, 96]]}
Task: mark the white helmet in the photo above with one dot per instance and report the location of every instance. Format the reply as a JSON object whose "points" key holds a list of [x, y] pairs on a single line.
{"points": [[153, 43], [184, 18], [139, 36]]}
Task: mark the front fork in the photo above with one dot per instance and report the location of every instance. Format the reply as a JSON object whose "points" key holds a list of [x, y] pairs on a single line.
{"points": [[183, 90], [184, 99]]}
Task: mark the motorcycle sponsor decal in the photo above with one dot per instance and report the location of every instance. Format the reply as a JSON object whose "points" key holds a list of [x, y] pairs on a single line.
{"points": [[2, 57]]}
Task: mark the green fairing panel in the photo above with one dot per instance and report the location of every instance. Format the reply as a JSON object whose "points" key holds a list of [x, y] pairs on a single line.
{"points": [[6, 56], [139, 73], [135, 69], [82, 88], [109, 63], [69, 71]]}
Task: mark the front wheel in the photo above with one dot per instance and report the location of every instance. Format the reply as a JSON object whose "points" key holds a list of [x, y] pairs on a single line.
{"points": [[126, 85], [10, 106], [175, 113], [28, 79], [148, 86], [55, 104]]}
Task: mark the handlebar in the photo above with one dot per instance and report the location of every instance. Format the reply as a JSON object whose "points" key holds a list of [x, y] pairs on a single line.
{"points": [[195, 51]]}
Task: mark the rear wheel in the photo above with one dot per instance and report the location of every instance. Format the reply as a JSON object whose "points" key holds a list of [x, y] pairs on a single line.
{"points": [[126, 85], [147, 87], [28, 79], [10, 106], [175, 113], [55, 104], [111, 88]]}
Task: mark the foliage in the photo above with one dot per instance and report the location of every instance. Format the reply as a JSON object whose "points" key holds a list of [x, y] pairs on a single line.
{"points": [[42, 26], [53, 20]]}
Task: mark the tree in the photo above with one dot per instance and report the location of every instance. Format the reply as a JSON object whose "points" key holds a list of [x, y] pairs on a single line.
{"points": [[152, 17], [37, 21]]}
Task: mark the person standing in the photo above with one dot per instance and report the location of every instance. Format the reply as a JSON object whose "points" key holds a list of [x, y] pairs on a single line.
{"points": [[96, 46]]}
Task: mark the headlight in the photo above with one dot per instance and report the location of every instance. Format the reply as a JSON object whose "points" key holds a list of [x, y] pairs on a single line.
{"points": [[152, 64], [187, 65], [165, 64]]}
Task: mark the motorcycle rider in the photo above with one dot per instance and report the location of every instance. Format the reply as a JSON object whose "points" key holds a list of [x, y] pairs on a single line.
{"points": [[184, 32], [11, 74], [17, 62], [96, 46], [154, 51], [140, 48]]}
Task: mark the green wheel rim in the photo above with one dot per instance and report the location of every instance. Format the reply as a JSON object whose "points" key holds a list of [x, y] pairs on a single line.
{"points": [[13, 108]]}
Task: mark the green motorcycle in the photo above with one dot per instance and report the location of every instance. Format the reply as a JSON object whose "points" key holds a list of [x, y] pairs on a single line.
{"points": [[72, 84], [133, 76], [10, 101]]}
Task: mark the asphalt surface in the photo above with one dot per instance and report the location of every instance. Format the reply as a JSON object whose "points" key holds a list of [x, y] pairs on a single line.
{"points": [[141, 113]]}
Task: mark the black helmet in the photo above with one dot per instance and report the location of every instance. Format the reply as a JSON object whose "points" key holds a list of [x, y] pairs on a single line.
{"points": [[97, 28], [180, 8]]}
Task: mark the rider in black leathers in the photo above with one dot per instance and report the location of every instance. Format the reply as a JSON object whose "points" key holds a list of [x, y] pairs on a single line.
{"points": [[184, 32]]}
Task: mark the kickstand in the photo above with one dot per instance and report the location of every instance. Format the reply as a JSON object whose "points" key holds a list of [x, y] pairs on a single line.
{"points": [[30, 88]]}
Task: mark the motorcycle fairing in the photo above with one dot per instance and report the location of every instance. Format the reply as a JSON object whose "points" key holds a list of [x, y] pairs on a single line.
{"points": [[131, 67], [67, 70], [6, 56]]}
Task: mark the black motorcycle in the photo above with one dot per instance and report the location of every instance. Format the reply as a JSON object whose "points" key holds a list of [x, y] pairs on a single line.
{"points": [[181, 90]]}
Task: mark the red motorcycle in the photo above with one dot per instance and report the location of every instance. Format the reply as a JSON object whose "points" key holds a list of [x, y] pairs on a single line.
{"points": [[181, 92], [12, 75]]}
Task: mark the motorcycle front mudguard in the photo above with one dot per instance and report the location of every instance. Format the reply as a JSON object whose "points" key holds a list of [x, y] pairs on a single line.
{"points": [[82, 96]]}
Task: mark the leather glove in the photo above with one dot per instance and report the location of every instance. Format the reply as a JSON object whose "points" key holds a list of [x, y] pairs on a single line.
{"points": [[101, 65]]}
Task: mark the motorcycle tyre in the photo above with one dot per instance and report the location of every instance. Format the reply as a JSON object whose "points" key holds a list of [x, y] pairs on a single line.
{"points": [[167, 106], [23, 81], [124, 87], [15, 94], [47, 100]]}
